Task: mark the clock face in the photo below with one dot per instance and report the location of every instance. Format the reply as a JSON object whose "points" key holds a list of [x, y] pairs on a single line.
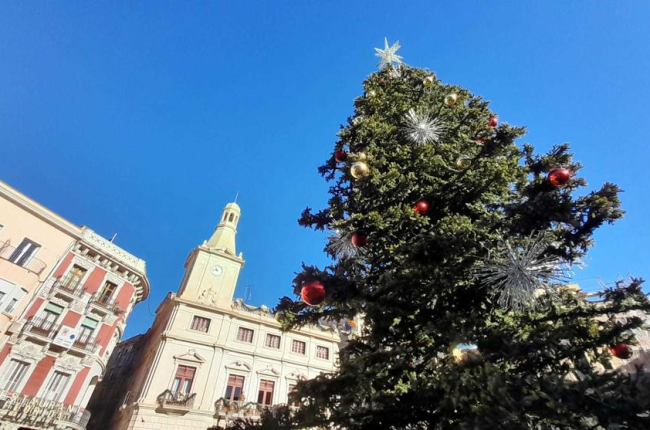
{"points": [[217, 270]]}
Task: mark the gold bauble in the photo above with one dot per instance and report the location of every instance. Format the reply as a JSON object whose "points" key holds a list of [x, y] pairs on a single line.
{"points": [[361, 156], [428, 81], [451, 99], [372, 93], [464, 162], [466, 354], [359, 170]]}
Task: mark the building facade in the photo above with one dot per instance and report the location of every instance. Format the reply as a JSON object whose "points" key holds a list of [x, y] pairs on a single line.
{"points": [[207, 358], [65, 295]]}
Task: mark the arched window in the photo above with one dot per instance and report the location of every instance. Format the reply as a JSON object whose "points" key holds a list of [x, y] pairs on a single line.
{"points": [[232, 217]]}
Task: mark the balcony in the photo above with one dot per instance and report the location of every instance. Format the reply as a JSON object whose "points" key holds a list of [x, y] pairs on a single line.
{"points": [[105, 303], [31, 264], [69, 285], [89, 346], [179, 402], [41, 327], [233, 409], [28, 411]]}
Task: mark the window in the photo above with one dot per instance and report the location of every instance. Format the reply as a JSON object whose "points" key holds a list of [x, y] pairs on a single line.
{"points": [[49, 315], [12, 298], [201, 324], [292, 398], [298, 347], [74, 277], [15, 373], [1, 227], [235, 388], [56, 387], [25, 251], [183, 380], [323, 352], [107, 292], [88, 326], [11, 306], [265, 394], [245, 335], [272, 341]]}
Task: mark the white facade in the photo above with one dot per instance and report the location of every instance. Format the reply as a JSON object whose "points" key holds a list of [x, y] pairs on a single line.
{"points": [[204, 349]]}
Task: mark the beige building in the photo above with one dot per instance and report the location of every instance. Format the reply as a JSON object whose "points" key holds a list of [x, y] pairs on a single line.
{"points": [[208, 359], [65, 295]]}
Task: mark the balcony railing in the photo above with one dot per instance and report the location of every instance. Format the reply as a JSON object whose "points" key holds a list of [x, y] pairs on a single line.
{"points": [[179, 401], [32, 264], [105, 303], [89, 345], [36, 412], [42, 327], [233, 409], [70, 285]]}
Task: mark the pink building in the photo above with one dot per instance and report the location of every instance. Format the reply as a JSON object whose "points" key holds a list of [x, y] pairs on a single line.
{"points": [[65, 296]]}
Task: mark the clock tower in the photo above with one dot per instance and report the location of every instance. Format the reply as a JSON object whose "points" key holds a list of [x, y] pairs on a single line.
{"points": [[212, 268]]}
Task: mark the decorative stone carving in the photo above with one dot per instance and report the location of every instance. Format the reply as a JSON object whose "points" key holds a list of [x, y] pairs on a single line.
{"points": [[69, 363], [87, 361], [208, 297], [28, 351], [78, 306], [110, 319], [59, 302]]}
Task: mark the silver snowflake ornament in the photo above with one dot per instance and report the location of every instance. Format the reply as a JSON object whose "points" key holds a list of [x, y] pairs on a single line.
{"points": [[340, 245], [421, 128], [520, 275], [388, 55]]}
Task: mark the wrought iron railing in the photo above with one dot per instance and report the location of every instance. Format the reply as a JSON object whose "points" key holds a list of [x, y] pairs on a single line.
{"points": [[176, 399], [237, 409], [36, 412], [32, 264], [41, 327], [88, 345], [105, 303], [70, 284]]}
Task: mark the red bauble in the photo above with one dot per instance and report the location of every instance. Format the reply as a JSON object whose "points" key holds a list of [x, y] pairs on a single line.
{"points": [[421, 207], [313, 293], [340, 155], [480, 141], [359, 239], [493, 120], [559, 177], [621, 350]]}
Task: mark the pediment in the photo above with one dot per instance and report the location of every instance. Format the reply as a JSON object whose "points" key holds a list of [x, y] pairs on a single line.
{"points": [[269, 371], [190, 355], [239, 365], [298, 376]]}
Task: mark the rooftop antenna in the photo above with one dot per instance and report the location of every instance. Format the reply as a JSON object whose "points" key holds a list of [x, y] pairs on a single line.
{"points": [[113, 238], [248, 294], [236, 195]]}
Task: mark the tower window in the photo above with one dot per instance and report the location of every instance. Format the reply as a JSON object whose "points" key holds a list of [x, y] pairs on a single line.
{"points": [[232, 217], [245, 335], [201, 324], [272, 341], [323, 352], [298, 347]]}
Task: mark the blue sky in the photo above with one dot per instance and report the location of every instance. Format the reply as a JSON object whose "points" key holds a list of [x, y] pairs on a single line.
{"points": [[145, 118]]}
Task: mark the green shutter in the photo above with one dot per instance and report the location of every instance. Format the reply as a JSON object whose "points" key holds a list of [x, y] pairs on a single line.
{"points": [[90, 323], [54, 308]]}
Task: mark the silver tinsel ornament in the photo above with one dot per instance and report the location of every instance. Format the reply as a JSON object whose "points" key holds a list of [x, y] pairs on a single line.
{"points": [[520, 275], [421, 128], [341, 246]]}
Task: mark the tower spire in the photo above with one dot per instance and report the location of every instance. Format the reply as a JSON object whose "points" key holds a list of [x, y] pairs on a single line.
{"points": [[224, 234]]}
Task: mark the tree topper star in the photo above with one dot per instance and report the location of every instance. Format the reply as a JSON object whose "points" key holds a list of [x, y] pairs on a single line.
{"points": [[388, 54]]}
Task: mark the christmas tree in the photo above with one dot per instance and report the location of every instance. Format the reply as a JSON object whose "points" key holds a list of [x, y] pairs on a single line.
{"points": [[453, 245]]}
